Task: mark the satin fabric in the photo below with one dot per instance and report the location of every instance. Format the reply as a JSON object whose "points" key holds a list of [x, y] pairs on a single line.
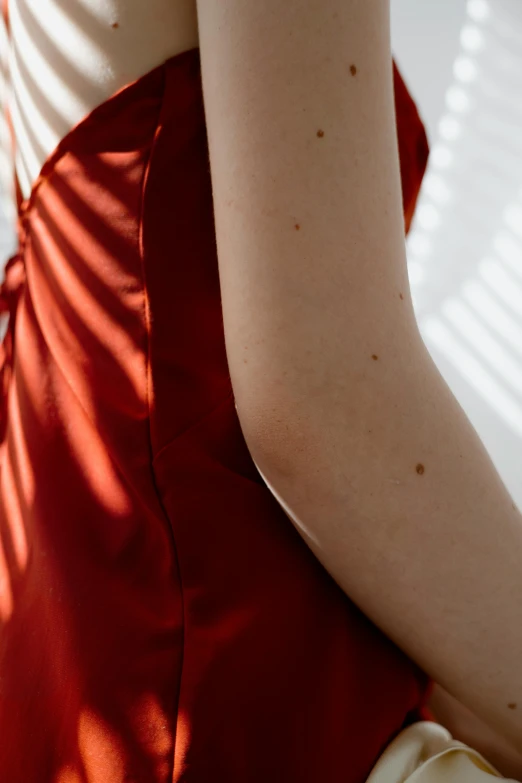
{"points": [[161, 619], [426, 752]]}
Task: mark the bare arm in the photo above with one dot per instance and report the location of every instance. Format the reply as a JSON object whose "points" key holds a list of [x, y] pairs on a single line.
{"points": [[341, 405], [466, 727]]}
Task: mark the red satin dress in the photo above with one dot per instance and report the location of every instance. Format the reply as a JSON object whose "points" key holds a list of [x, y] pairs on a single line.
{"points": [[161, 618]]}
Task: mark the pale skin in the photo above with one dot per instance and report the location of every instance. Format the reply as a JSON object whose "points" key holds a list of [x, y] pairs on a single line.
{"points": [[466, 727], [69, 56]]}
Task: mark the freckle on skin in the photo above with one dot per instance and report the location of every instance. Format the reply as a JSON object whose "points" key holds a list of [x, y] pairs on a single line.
{"points": [[401, 296], [512, 705], [297, 226], [420, 469], [374, 357], [353, 70], [115, 25], [320, 133]]}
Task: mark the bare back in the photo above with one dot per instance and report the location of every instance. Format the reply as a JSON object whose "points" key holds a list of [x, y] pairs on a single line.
{"points": [[69, 56]]}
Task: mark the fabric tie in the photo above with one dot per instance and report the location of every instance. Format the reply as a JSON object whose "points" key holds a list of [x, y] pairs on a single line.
{"points": [[10, 291]]}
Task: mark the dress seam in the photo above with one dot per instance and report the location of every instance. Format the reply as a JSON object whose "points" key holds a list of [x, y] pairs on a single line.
{"points": [[149, 394], [194, 424]]}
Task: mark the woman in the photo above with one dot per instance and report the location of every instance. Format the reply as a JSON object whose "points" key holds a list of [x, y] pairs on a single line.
{"points": [[214, 335]]}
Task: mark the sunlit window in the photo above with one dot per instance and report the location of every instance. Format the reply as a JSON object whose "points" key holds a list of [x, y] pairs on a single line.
{"points": [[465, 247]]}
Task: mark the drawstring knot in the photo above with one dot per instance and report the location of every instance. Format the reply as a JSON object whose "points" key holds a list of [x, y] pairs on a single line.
{"points": [[10, 291]]}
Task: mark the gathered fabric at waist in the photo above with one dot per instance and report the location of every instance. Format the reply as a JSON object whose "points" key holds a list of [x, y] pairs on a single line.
{"points": [[426, 752]]}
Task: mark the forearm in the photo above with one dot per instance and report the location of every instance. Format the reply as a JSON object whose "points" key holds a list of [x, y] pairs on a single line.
{"points": [[392, 489], [466, 727]]}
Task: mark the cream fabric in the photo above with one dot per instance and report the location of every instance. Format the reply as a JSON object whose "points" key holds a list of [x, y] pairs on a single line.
{"points": [[426, 752]]}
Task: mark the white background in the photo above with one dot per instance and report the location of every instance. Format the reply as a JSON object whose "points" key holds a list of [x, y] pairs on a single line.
{"points": [[462, 60]]}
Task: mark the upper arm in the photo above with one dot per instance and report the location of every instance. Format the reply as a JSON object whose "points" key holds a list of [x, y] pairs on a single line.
{"points": [[306, 187], [380, 470]]}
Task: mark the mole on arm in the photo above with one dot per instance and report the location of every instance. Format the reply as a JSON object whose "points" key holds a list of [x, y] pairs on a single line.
{"points": [[512, 705], [297, 226], [320, 133], [115, 25], [420, 469], [401, 296], [353, 70], [374, 357]]}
